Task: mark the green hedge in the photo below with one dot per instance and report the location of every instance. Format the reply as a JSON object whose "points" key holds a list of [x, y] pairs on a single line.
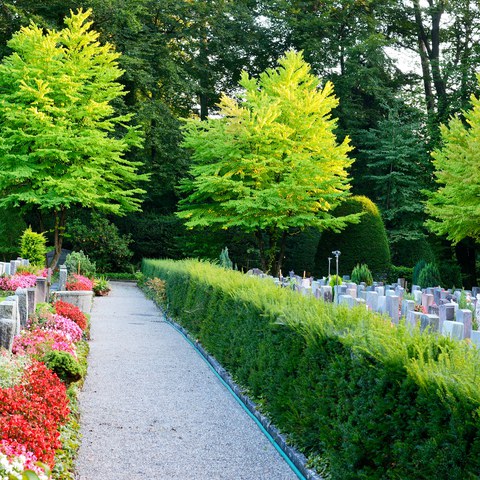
{"points": [[374, 402]]}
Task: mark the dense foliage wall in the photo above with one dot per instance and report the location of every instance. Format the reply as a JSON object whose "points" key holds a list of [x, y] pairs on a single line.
{"points": [[368, 400], [365, 242]]}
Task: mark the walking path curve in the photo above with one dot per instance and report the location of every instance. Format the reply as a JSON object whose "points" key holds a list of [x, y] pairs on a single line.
{"points": [[151, 407]]}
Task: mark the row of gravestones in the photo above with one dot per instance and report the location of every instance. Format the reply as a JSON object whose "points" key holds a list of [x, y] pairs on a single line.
{"points": [[441, 313], [15, 309]]}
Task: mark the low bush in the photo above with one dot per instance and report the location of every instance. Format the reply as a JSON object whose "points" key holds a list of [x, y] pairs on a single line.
{"points": [[369, 400], [361, 273], [33, 246], [429, 276], [79, 263], [64, 365]]}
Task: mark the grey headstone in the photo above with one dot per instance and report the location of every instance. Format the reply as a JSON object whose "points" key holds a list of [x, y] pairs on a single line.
{"points": [[427, 300], [475, 291], [347, 300], [437, 295], [417, 294], [407, 305], [41, 290], [446, 312], [413, 318], [352, 292], [2, 268], [416, 287], [380, 290], [7, 269], [400, 291], [13, 267], [22, 301], [9, 309], [429, 290], [7, 332], [326, 293], [389, 292], [360, 288], [372, 301], [476, 338], [363, 295], [429, 321], [453, 329], [465, 316], [393, 304], [382, 304], [31, 300], [25, 262]]}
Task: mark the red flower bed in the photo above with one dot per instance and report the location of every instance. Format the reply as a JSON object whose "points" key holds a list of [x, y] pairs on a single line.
{"points": [[79, 282], [72, 312], [32, 411]]}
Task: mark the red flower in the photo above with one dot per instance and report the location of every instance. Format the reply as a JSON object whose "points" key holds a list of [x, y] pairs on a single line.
{"points": [[72, 312]]}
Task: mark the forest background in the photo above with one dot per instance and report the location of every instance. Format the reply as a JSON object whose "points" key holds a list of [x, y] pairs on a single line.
{"points": [[400, 70]]}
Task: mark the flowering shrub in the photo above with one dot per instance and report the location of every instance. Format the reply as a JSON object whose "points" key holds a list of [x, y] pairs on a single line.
{"points": [[72, 312], [79, 282], [15, 459], [56, 322], [11, 369], [38, 342], [32, 411], [22, 280]]}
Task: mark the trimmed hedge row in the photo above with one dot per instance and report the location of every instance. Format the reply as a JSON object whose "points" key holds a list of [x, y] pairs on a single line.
{"points": [[372, 401]]}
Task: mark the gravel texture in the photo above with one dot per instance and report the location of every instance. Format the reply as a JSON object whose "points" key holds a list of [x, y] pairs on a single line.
{"points": [[151, 408]]}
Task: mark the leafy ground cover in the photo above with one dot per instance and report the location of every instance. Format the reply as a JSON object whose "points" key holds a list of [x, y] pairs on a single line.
{"points": [[361, 398]]}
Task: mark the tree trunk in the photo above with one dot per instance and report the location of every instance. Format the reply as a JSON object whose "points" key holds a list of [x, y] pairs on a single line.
{"points": [[59, 232]]}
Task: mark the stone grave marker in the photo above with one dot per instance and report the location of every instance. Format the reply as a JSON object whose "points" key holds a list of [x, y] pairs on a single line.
{"points": [[22, 300], [453, 329], [392, 305], [372, 301], [429, 321], [407, 305], [464, 316]]}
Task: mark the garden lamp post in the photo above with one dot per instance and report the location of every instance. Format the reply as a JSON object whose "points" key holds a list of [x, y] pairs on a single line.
{"points": [[337, 254], [329, 260]]}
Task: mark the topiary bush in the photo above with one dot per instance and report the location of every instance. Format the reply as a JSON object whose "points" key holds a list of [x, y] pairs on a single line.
{"points": [[365, 242], [429, 276], [361, 273], [67, 368], [33, 246]]}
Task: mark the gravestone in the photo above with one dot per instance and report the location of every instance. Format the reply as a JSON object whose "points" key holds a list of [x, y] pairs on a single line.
{"points": [[372, 301], [347, 300], [9, 309], [417, 294], [380, 290], [464, 316], [31, 300], [7, 269], [416, 287], [360, 288], [453, 329], [399, 291], [13, 267], [413, 319], [389, 292], [382, 304], [407, 305], [7, 332], [2, 268], [392, 305], [22, 300], [41, 290], [446, 312], [429, 290], [429, 321], [437, 295], [475, 291], [326, 293], [476, 338], [352, 292], [427, 300]]}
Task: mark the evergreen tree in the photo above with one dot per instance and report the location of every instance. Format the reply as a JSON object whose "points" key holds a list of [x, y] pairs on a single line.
{"points": [[61, 143], [271, 163]]}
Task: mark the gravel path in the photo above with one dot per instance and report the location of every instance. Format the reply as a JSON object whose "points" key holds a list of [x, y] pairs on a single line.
{"points": [[151, 408]]}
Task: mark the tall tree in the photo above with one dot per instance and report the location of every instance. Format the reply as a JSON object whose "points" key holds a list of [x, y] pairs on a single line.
{"points": [[455, 207], [272, 163], [61, 142]]}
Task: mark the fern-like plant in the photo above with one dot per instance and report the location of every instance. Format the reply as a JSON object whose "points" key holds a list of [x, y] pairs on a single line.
{"points": [[361, 273]]}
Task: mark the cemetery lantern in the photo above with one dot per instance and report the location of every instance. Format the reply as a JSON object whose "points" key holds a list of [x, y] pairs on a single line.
{"points": [[329, 260]]}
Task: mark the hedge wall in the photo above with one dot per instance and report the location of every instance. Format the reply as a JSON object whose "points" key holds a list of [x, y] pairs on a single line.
{"points": [[374, 402]]}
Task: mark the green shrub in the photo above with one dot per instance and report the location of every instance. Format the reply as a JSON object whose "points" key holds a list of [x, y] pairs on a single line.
{"points": [[67, 368], [361, 273], [225, 261], [33, 246], [78, 262], [335, 280], [374, 402], [400, 272], [419, 266], [429, 276], [365, 242], [100, 239]]}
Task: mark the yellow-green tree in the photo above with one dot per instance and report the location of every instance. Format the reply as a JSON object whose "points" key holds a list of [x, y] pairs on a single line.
{"points": [[455, 206], [62, 144], [271, 163]]}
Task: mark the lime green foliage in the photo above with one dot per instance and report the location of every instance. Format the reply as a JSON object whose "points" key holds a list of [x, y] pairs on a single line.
{"points": [[67, 368], [455, 206], [365, 242], [361, 273], [33, 246], [271, 163], [225, 261], [61, 143], [335, 280], [78, 262], [374, 401]]}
